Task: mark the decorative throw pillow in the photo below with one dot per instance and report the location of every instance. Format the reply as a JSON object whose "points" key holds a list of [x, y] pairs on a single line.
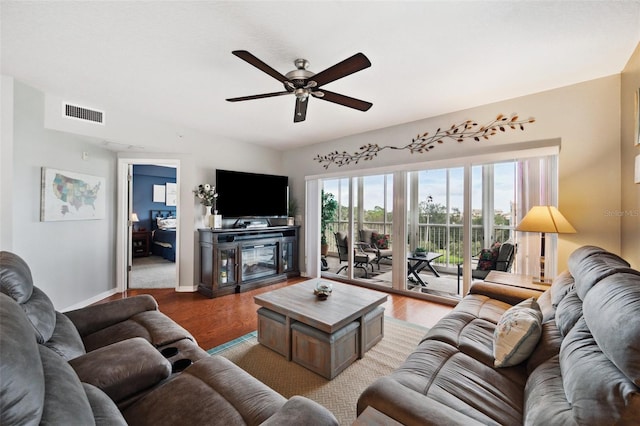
{"points": [[381, 241], [487, 260], [517, 333]]}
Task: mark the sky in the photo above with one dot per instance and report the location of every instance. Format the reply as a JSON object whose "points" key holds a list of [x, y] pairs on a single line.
{"points": [[433, 183]]}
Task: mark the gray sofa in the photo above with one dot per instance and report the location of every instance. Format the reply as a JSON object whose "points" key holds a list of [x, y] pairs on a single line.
{"points": [[584, 369], [119, 363]]}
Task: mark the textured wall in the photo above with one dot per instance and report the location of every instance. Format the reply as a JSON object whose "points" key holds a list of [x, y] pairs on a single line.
{"points": [[630, 212]]}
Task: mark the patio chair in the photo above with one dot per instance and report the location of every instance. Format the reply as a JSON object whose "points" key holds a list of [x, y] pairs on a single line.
{"points": [[488, 260], [361, 259], [375, 243]]}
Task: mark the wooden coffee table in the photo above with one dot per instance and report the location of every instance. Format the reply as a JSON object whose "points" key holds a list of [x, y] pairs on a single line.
{"points": [[324, 336]]}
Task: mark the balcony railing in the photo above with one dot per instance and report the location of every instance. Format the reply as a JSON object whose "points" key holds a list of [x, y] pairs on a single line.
{"points": [[445, 239]]}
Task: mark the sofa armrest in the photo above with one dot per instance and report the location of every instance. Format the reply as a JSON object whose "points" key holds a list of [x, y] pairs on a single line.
{"points": [[408, 406], [96, 317], [123, 369], [505, 293], [302, 411]]}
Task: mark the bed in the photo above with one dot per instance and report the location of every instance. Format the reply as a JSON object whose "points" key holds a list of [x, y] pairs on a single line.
{"points": [[163, 234]]}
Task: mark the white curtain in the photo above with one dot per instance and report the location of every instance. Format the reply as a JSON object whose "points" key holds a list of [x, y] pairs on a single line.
{"points": [[537, 184]]}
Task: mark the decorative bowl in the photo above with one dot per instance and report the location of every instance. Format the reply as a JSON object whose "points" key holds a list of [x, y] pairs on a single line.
{"points": [[323, 289]]}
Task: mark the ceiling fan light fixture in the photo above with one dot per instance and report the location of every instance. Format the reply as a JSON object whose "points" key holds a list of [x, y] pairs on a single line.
{"points": [[302, 94]]}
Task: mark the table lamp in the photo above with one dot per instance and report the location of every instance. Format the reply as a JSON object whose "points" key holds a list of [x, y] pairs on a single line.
{"points": [[545, 219], [134, 219]]}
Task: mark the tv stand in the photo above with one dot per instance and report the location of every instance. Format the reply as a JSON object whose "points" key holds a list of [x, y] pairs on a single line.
{"points": [[241, 259]]}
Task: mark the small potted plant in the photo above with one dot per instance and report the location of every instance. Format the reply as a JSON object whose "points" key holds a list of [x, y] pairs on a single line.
{"points": [[420, 251], [292, 211], [328, 214]]}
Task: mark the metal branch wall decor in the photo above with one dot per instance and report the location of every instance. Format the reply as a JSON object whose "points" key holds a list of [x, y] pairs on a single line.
{"points": [[425, 142]]}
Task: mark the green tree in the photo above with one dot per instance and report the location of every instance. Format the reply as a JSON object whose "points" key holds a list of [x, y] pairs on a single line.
{"points": [[375, 215], [328, 214]]}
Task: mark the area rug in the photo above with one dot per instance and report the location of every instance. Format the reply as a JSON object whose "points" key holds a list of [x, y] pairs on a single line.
{"points": [[152, 272], [340, 394]]}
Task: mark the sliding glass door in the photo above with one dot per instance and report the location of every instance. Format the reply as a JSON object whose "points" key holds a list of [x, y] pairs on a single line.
{"points": [[417, 230], [434, 226], [364, 215]]}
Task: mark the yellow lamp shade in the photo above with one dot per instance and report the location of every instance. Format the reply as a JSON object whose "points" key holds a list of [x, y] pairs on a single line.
{"points": [[545, 219]]}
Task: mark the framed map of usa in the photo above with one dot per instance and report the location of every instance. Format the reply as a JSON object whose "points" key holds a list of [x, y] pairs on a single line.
{"points": [[71, 196]]}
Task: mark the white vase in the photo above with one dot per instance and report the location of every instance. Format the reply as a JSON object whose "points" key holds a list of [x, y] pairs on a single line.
{"points": [[207, 220]]}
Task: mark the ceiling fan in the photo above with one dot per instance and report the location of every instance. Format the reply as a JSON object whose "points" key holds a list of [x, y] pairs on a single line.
{"points": [[303, 83]]}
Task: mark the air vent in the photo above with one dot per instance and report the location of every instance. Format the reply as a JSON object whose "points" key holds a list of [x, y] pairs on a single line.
{"points": [[85, 114]]}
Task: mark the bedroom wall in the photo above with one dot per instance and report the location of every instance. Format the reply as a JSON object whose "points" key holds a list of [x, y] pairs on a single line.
{"points": [[630, 214], [144, 177], [585, 117], [71, 260]]}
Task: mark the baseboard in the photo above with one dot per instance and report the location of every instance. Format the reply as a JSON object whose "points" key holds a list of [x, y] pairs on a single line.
{"points": [[91, 300], [186, 289]]}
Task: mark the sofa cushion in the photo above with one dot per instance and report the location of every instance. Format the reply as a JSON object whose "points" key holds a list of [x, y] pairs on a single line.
{"points": [[548, 346], [590, 264], [470, 327], [105, 411], [568, 312], [517, 333], [561, 285], [545, 401], [66, 340], [226, 395], [608, 308], [22, 384], [153, 326], [41, 313], [65, 402], [598, 392], [15, 277], [546, 306], [301, 411], [123, 369], [443, 373], [97, 317]]}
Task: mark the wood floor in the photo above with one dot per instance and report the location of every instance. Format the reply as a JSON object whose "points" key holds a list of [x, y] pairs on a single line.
{"points": [[216, 321]]}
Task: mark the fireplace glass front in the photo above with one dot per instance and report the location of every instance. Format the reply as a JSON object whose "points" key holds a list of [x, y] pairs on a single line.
{"points": [[259, 261]]}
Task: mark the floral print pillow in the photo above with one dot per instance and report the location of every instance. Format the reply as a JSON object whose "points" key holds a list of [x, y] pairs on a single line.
{"points": [[488, 257], [381, 241]]}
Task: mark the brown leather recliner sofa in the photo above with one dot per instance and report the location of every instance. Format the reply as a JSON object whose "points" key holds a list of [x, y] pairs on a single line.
{"points": [[118, 363], [584, 370]]}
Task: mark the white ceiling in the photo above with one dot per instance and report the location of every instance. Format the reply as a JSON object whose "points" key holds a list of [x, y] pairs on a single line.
{"points": [[172, 60]]}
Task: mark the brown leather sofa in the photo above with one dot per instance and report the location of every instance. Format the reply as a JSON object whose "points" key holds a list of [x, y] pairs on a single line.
{"points": [[120, 363], [584, 370]]}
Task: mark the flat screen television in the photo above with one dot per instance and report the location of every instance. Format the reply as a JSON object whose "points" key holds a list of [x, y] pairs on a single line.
{"points": [[242, 194]]}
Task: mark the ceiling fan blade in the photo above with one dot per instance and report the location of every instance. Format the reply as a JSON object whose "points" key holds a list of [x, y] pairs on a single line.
{"points": [[350, 65], [248, 57], [301, 110], [264, 95], [345, 100]]}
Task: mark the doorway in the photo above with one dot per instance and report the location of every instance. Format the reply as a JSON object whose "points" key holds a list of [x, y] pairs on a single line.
{"points": [[148, 207]]}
